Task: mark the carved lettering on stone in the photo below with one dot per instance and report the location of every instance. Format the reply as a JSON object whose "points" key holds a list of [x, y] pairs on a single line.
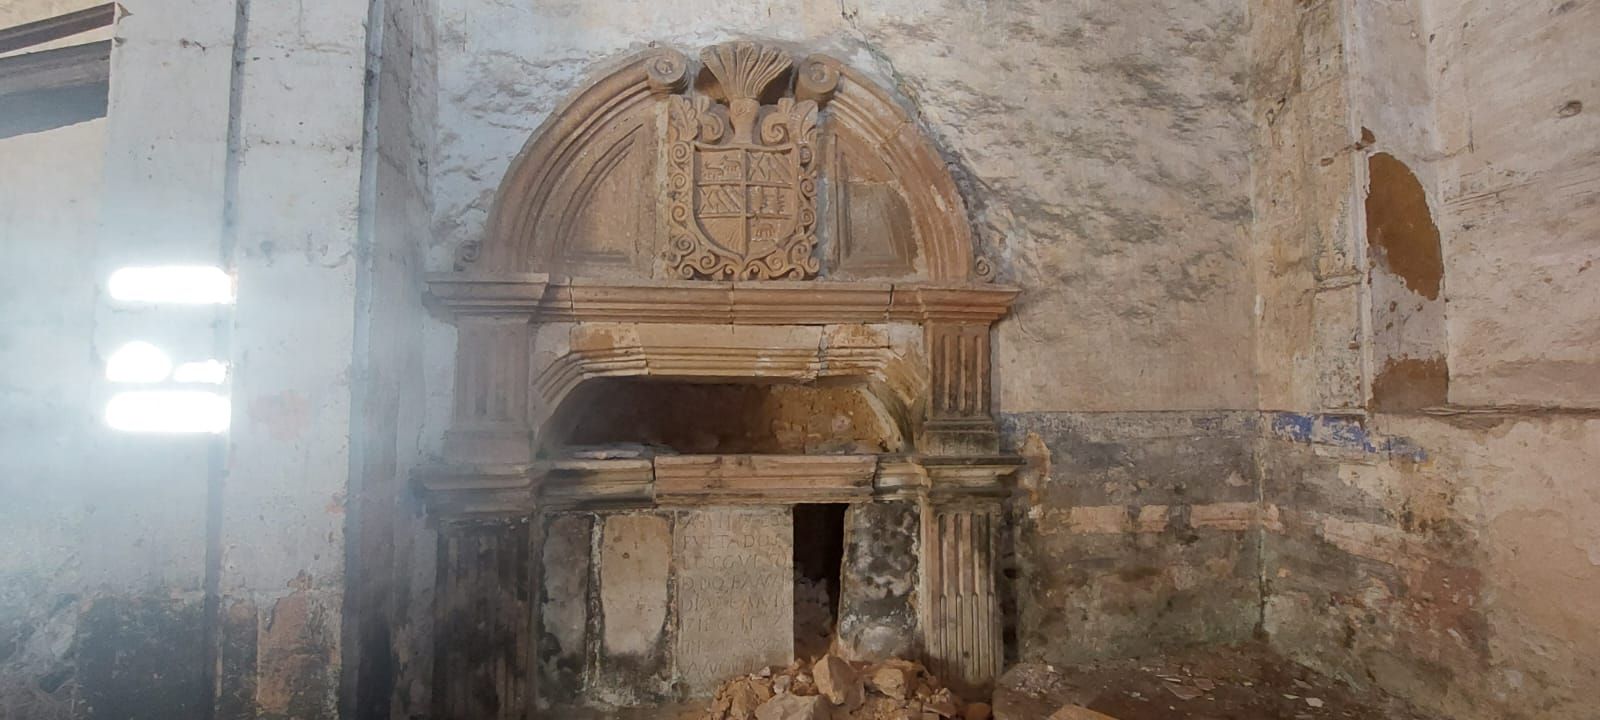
{"points": [[735, 592], [741, 176]]}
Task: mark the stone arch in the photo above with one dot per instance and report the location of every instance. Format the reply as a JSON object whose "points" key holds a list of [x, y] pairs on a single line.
{"points": [[590, 194]]}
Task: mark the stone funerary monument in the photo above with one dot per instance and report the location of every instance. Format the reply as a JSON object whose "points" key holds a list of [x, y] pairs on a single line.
{"points": [[714, 293]]}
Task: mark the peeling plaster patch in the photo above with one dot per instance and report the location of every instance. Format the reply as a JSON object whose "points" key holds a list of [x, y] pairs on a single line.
{"points": [[1341, 432], [1409, 383], [296, 659], [1293, 426], [1400, 228]]}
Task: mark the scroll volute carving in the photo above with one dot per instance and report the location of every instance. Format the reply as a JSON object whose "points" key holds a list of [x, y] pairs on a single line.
{"points": [[739, 165]]}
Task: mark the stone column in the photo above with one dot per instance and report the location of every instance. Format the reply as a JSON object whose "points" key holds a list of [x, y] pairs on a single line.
{"points": [[961, 610]]}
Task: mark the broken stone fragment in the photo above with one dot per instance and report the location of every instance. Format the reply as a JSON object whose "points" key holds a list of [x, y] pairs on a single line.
{"points": [[894, 678], [1184, 692], [838, 682], [977, 711], [744, 696], [941, 703], [1077, 712], [794, 707]]}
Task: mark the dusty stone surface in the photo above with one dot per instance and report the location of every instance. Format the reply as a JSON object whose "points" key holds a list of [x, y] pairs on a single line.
{"points": [[635, 552], [1475, 572], [1134, 532], [1103, 151], [635, 556], [1073, 712], [1516, 190], [564, 605], [726, 418], [877, 615], [45, 517]]}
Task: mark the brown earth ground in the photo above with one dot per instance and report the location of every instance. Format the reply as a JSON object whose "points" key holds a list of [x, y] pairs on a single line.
{"points": [[1245, 682]]}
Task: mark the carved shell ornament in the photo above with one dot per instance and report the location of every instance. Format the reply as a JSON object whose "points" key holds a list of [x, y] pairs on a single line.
{"points": [[742, 176]]}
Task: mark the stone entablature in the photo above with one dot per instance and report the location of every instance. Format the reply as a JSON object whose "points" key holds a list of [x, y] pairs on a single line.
{"points": [[617, 483]]}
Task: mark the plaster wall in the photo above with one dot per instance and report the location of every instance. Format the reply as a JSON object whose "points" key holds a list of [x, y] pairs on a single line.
{"points": [[210, 564], [44, 407], [1440, 555], [1519, 187]]}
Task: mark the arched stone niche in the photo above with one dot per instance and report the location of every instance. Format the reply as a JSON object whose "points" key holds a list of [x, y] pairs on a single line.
{"points": [[740, 218], [639, 176]]}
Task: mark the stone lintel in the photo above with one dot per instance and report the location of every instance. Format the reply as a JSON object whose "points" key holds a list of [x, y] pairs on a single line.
{"points": [[692, 480], [763, 479]]}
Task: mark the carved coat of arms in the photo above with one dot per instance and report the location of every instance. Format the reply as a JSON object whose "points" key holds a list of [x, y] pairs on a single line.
{"points": [[741, 176]]}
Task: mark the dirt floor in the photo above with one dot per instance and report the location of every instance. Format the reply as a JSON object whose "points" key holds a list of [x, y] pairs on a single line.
{"points": [[1218, 683], [1245, 682]]}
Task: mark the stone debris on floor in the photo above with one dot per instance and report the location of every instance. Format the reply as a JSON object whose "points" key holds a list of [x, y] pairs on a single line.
{"points": [[836, 689]]}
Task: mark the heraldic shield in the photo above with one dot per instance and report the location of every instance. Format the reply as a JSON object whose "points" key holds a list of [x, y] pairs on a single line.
{"points": [[741, 176]]}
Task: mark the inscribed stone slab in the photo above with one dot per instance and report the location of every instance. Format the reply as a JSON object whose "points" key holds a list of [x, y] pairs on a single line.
{"points": [[735, 591]]}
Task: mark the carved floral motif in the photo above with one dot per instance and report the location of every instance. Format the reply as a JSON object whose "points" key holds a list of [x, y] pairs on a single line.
{"points": [[742, 176]]}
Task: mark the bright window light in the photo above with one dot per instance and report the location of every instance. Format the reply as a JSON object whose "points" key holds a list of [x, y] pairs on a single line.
{"points": [[175, 284], [168, 411], [210, 372], [138, 362]]}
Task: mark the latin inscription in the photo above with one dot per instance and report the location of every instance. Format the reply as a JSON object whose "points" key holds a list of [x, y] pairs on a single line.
{"points": [[735, 593]]}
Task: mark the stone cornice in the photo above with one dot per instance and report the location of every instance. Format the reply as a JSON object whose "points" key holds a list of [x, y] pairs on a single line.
{"points": [[545, 299]]}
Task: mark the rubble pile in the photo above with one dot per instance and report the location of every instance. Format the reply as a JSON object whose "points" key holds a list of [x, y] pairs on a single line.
{"points": [[836, 689]]}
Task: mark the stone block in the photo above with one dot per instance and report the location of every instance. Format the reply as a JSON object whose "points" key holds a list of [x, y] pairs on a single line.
{"points": [[877, 618], [634, 558], [563, 605]]}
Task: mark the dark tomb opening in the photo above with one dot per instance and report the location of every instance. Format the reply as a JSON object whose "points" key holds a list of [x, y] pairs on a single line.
{"points": [[818, 555], [694, 418]]}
